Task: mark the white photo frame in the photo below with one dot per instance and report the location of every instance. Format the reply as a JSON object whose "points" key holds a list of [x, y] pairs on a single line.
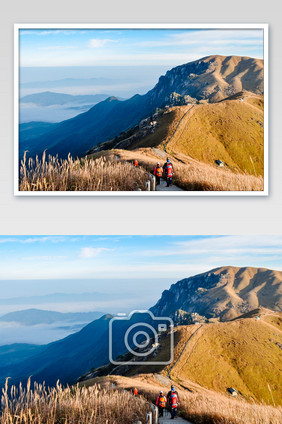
{"points": [[18, 27]]}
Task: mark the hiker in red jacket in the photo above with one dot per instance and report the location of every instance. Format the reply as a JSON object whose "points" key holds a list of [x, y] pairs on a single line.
{"points": [[168, 169], [161, 403], [158, 172], [173, 402], [135, 392]]}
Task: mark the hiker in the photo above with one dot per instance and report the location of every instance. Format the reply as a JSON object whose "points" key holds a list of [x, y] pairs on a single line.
{"points": [[173, 400], [135, 392], [158, 172], [136, 163], [168, 172], [161, 403]]}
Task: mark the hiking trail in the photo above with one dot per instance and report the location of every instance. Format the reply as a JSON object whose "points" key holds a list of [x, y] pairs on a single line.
{"points": [[162, 187], [167, 420], [176, 129], [183, 350]]}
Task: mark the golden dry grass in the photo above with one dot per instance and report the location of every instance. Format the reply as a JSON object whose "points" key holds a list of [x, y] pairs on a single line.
{"points": [[190, 174], [80, 175], [199, 405], [219, 409], [208, 178], [231, 131], [70, 405], [113, 171], [243, 354]]}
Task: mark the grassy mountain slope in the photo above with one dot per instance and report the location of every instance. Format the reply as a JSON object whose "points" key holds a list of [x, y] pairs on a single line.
{"points": [[231, 131], [245, 354]]}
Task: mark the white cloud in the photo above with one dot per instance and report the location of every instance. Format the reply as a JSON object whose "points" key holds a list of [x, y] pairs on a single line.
{"points": [[226, 247], [44, 258], [47, 32], [208, 37], [29, 240], [92, 252], [95, 43], [52, 48]]}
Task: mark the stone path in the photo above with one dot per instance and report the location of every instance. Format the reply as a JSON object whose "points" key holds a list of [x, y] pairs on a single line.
{"points": [[162, 187], [167, 420]]}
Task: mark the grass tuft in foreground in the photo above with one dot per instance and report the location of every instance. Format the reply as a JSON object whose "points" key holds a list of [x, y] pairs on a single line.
{"points": [[91, 405], [79, 175]]}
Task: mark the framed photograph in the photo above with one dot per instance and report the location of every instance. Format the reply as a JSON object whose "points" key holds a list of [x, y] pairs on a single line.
{"points": [[141, 109], [89, 319]]}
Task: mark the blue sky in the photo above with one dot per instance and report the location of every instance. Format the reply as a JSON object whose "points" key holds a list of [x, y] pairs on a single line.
{"points": [[131, 257], [169, 47], [135, 268]]}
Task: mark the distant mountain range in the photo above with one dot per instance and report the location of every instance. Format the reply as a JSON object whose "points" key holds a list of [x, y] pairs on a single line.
{"points": [[60, 297], [223, 294], [34, 316], [67, 82], [49, 98], [212, 78]]}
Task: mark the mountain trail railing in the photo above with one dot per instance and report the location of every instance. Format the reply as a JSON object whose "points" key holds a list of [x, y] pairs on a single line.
{"points": [[151, 183], [152, 417]]}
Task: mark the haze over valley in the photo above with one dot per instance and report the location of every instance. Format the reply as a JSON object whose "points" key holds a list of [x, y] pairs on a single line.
{"points": [[86, 85]]}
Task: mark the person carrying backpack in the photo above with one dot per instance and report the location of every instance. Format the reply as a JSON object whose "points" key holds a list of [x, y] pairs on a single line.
{"points": [[158, 172], [168, 169], [173, 400], [161, 403]]}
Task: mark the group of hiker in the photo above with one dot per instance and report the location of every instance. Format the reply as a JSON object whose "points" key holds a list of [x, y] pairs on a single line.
{"points": [[167, 170], [171, 401]]}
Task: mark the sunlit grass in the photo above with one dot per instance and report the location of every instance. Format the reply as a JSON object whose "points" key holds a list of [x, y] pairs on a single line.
{"points": [[85, 174], [89, 405]]}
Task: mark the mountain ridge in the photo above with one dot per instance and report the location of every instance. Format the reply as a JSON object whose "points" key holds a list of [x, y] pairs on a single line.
{"points": [[224, 292]]}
